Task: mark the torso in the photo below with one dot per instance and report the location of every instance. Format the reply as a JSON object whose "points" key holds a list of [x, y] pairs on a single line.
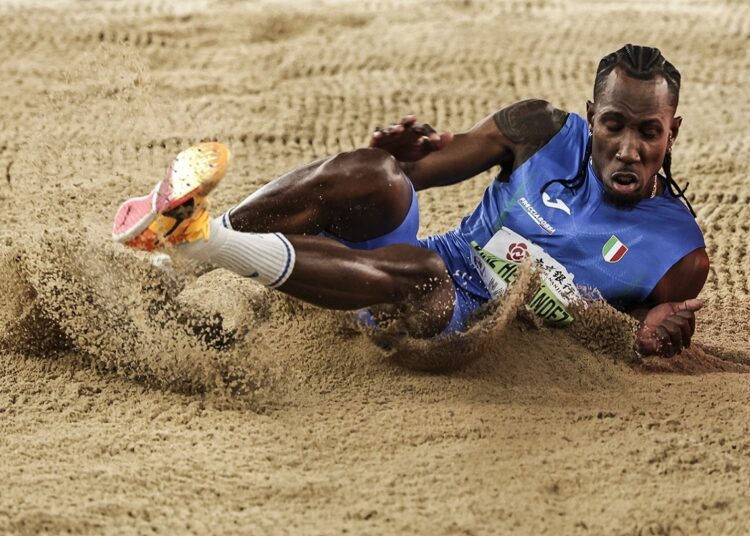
{"points": [[620, 252]]}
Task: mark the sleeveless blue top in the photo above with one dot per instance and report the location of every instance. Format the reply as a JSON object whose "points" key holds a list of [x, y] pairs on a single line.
{"points": [[621, 252]]}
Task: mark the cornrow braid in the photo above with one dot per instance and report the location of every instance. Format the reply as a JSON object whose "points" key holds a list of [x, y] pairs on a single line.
{"points": [[643, 63], [576, 182], [674, 188], [643, 57]]}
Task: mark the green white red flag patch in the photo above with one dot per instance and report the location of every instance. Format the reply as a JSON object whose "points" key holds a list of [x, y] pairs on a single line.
{"points": [[614, 250]]}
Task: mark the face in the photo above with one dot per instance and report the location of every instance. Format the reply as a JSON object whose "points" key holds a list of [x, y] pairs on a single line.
{"points": [[631, 121]]}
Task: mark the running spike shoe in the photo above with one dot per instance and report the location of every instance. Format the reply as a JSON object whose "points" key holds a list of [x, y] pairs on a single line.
{"points": [[176, 209]]}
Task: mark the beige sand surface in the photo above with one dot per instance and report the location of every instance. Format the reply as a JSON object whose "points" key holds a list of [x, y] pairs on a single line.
{"points": [[115, 417]]}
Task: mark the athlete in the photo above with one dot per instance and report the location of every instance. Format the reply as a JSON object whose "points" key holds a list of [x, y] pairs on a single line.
{"points": [[581, 197]]}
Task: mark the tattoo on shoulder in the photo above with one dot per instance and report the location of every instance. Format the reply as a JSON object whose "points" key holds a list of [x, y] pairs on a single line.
{"points": [[530, 123]]}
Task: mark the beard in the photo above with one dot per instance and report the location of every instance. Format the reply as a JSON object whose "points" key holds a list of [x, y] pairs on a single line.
{"points": [[618, 201]]}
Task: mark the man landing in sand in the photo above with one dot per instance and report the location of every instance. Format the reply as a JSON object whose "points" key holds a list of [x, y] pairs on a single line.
{"points": [[583, 198]]}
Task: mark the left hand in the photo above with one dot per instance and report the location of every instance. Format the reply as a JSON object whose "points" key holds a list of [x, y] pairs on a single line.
{"points": [[409, 141], [667, 328]]}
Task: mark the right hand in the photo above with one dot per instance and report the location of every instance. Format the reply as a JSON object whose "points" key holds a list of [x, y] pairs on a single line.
{"points": [[409, 141], [668, 328]]}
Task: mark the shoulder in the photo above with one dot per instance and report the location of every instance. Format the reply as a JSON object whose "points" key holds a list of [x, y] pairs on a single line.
{"points": [[530, 122]]}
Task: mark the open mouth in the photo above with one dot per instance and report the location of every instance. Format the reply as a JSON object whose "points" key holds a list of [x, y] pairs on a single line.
{"points": [[624, 182]]}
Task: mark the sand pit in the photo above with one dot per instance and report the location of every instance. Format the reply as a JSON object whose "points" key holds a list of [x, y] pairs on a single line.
{"points": [[136, 400]]}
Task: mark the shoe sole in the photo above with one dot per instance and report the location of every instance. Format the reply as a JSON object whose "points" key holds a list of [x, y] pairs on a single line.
{"points": [[194, 172]]}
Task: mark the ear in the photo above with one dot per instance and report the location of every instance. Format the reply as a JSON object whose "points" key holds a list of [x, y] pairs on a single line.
{"points": [[590, 113], [675, 128]]}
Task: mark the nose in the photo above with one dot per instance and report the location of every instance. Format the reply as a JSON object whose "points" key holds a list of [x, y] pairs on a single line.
{"points": [[628, 152]]}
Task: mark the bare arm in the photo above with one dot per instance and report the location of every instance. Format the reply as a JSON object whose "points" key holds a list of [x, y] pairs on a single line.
{"points": [[506, 138], [684, 280], [467, 155], [668, 315]]}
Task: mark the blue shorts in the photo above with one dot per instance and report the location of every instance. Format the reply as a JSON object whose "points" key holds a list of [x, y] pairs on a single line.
{"points": [[470, 292], [455, 254]]}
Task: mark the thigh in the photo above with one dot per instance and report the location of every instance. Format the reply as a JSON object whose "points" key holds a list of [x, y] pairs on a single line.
{"points": [[405, 233], [357, 196]]}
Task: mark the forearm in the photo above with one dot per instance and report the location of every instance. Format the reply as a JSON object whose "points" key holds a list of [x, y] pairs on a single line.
{"points": [[469, 154], [424, 176], [505, 138], [424, 181]]}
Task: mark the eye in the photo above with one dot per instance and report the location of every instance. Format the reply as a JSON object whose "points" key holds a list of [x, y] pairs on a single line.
{"points": [[612, 126], [650, 130]]}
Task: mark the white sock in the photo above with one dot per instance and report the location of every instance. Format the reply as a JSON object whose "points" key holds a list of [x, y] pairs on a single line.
{"points": [[225, 220], [266, 257]]}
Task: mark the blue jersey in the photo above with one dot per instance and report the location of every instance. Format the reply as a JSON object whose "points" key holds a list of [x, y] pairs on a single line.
{"points": [[621, 252]]}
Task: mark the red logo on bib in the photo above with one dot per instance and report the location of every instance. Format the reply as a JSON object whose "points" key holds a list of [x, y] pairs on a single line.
{"points": [[517, 252]]}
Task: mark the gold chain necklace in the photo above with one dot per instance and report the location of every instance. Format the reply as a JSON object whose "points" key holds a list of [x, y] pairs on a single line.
{"points": [[653, 190]]}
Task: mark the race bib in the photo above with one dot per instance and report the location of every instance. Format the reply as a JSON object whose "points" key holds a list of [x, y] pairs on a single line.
{"points": [[498, 262]]}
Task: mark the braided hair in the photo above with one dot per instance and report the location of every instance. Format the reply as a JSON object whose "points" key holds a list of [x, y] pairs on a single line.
{"points": [[643, 63]]}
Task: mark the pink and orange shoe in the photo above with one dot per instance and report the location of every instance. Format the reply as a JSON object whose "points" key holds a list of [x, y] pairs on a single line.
{"points": [[176, 209]]}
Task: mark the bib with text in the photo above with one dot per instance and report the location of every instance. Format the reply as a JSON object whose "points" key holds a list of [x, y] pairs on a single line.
{"points": [[498, 262]]}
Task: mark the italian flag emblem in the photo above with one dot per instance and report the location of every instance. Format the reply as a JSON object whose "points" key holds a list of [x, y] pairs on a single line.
{"points": [[614, 250]]}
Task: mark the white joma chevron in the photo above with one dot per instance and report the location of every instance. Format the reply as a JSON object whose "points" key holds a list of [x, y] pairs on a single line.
{"points": [[557, 203]]}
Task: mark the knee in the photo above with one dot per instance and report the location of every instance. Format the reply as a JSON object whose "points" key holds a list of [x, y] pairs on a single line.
{"points": [[426, 296], [363, 159], [418, 277], [371, 171], [434, 272]]}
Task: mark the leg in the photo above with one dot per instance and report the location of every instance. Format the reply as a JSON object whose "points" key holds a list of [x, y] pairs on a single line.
{"points": [[357, 196], [367, 196], [326, 273], [333, 276]]}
